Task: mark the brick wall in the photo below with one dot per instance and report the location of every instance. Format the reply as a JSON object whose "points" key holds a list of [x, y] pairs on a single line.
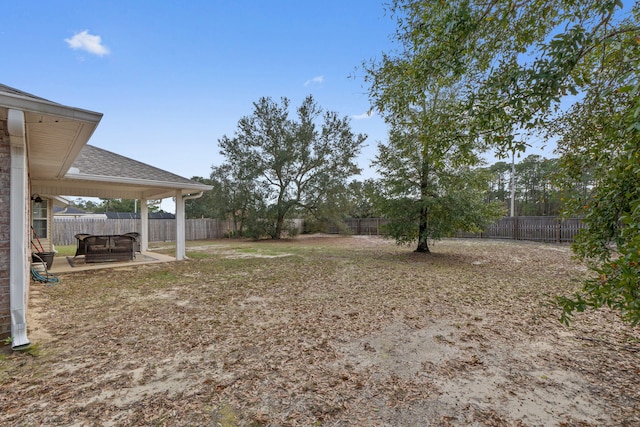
{"points": [[5, 208]]}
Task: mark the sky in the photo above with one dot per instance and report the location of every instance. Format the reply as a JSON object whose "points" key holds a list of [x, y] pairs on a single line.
{"points": [[173, 77]]}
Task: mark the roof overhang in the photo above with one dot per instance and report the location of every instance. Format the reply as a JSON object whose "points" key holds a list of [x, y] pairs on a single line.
{"points": [[55, 137], [113, 187], [55, 133]]}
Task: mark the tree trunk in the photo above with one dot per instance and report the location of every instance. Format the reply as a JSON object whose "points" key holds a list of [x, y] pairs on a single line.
{"points": [[278, 233], [423, 227], [423, 245]]}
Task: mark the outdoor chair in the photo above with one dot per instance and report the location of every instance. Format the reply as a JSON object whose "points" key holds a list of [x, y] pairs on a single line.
{"points": [[80, 244], [136, 242]]}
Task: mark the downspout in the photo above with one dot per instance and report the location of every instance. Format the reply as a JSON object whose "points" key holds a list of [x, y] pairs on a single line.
{"points": [[18, 226], [192, 196], [181, 252]]}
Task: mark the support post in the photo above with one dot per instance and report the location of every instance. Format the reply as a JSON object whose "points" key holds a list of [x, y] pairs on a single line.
{"points": [[180, 225], [144, 225]]}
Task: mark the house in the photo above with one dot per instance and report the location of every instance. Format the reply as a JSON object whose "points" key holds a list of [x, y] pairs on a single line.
{"points": [[43, 155], [136, 215], [70, 213]]}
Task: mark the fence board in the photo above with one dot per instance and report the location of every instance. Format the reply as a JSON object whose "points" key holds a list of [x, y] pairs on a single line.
{"points": [[160, 230], [542, 229], [534, 228]]}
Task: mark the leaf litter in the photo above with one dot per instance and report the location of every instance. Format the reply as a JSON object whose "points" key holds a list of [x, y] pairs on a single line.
{"points": [[339, 332]]}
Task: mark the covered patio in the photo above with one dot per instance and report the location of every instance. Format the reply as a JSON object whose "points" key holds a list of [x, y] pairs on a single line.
{"points": [[63, 265], [44, 157], [97, 172]]}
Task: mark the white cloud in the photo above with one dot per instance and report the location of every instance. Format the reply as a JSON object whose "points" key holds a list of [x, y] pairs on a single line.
{"points": [[90, 43], [363, 116], [315, 80]]}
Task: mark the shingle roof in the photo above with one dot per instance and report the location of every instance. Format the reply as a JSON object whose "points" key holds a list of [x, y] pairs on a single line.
{"points": [[99, 162], [68, 210], [15, 92]]}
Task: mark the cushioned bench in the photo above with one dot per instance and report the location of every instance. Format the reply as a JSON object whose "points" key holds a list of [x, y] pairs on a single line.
{"points": [[108, 248]]}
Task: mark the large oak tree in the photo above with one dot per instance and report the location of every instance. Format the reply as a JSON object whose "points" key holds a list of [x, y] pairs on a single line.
{"points": [[295, 164]]}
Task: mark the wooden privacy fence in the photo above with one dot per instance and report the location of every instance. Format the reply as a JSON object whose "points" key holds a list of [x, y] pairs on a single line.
{"points": [[535, 228], [160, 230], [361, 226]]}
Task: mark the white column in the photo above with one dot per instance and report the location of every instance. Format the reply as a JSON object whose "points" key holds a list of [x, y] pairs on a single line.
{"points": [[19, 229], [144, 228], [180, 227]]}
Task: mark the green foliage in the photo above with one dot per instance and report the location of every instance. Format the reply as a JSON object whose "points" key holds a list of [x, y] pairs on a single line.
{"points": [[611, 242], [111, 205], [205, 206], [537, 189], [284, 167], [87, 205], [521, 65], [232, 198], [600, 144], [428, 187], [361, 196]]}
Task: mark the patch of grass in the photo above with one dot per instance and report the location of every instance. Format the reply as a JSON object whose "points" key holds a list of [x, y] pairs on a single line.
{"points": [[65, 250], [33, 350], [260, 251], [198, 255], [226, 416], [163, 276]]}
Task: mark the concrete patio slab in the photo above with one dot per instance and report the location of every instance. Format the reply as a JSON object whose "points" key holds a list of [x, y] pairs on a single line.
{"points": [[71, 264]]}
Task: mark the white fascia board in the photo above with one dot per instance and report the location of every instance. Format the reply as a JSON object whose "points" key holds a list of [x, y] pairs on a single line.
{"points": [[139, 182], [49, 108]]}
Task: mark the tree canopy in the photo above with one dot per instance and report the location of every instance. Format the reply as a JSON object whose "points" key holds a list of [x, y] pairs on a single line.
{"points": [[292, 165], [565, 68], [428, 187], [112, 205]]}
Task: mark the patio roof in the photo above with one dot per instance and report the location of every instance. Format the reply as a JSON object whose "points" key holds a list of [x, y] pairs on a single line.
{"points": [[100, 173], [61, 162]]}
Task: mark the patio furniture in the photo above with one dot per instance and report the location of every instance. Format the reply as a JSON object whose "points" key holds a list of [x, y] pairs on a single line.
{"points": [[136, 244], [108, 248], [80, 246]]}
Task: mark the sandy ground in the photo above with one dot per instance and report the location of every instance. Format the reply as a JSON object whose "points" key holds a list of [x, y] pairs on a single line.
{"points": [[324, 331]]}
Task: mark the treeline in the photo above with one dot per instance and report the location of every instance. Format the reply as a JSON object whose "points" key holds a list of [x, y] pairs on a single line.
{"points": [[537, 193], [111, 205]]}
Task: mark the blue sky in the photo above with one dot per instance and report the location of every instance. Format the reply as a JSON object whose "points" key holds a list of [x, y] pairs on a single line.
{"points": [[172, 77]]}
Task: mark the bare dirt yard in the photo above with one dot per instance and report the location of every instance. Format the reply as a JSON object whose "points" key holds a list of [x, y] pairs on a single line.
{"points": [[324, 331]]}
